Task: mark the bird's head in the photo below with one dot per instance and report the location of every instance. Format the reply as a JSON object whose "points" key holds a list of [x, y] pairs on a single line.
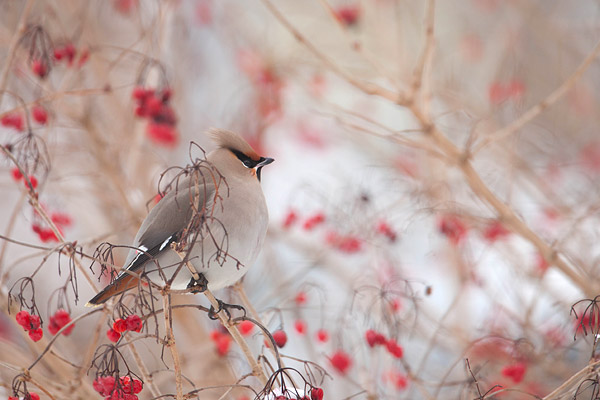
{"points": [[235, 155]]}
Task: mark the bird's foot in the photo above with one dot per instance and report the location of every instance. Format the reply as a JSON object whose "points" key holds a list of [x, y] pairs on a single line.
{"points": [[212, 313], [198, 285]]}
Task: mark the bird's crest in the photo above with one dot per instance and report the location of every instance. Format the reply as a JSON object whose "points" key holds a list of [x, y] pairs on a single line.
{"points": [[232, 141]]}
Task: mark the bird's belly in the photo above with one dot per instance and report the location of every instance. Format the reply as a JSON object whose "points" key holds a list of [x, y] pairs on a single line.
{"points": [[222, 255]]}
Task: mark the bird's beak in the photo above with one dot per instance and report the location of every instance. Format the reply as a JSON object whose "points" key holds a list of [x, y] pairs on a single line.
{"points": [[261, 163], [264, 161]]}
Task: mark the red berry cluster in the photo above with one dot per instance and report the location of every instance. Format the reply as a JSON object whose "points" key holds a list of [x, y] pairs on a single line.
{"points": [[18, 177], [46, 234], [127, 388], [499, 92], [222, 341], [154, 105], [383, 228], [58, 321], [344, 243], [131, 323], [315, 394], [374, 338], [66, 53], [13, 120], [30, 323], [453, 228], [32, 396]]}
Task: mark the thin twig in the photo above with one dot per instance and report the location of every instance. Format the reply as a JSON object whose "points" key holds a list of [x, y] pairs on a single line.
{"points": [[13, 46], [536, 110]]}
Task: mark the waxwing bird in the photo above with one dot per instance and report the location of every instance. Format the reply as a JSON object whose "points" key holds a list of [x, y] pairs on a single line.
{"points": [[212, 221]]}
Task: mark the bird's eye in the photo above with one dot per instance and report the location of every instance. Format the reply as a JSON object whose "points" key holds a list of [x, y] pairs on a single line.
{"points": [[247, 161]]}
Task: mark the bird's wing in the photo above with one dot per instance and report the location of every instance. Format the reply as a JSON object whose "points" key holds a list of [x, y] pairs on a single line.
{"points": [[162, 226]]}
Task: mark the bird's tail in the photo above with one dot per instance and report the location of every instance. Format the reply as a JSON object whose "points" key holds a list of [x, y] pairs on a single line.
{"points": [[122, 284]]}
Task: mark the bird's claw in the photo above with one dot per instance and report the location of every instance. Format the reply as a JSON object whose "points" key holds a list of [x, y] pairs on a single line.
{"points": [[198, 285], [212, 313]]}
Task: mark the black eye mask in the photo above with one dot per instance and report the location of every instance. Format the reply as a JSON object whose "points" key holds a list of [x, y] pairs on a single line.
{"points": [[250, 163]]}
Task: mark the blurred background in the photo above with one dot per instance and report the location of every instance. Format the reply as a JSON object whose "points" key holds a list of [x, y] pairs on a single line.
{"points": [[433, 203]]}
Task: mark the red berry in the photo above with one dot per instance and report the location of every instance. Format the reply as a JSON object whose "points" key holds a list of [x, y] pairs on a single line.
{"points": [[12, 398], [246, 327], [120, 325], [290, 219], [340, 360], [138, 386], [316, 394], [47, 235], [515, 372], [166, 94], [139, 93], [495, 231], [300, 298], [13, 120], [23, 319], [36, 334], [280, 338], [39, 68], [322, 335], [34, 396], [69, 52], [384, 229], [59, 53], [394, 348], [348, 15], [515, 89], [497, 93], [16, 174], [399, 380], [34, 322], [33, 180], [134, 323], [215, 335], [113, 335], [58, 321], [300, 326], [153, 105], [40, 115], [223, 344], [130, 385]]}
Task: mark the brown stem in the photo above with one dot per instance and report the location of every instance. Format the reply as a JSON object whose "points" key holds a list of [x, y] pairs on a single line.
{"points": [[171, 343], [238, 338]]}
